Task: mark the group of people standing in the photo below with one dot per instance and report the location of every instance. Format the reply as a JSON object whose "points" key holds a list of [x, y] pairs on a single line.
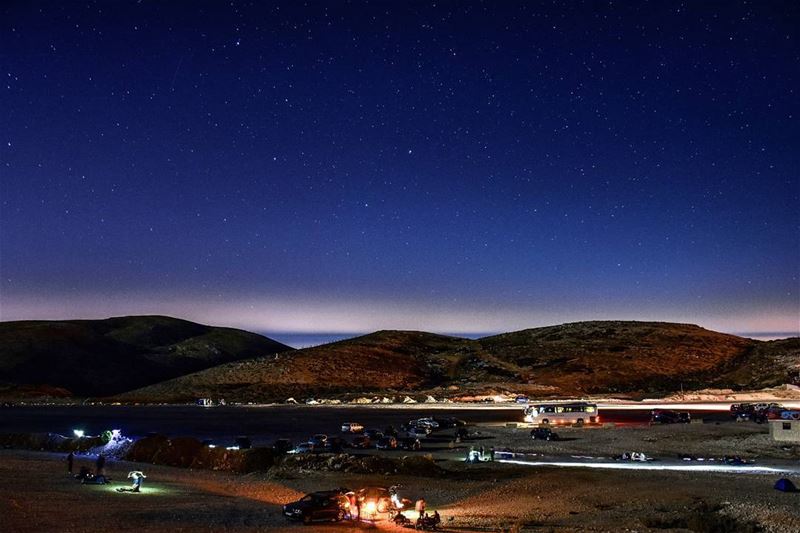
{"points": [[99, 464], [479, 455], [98, 477]]}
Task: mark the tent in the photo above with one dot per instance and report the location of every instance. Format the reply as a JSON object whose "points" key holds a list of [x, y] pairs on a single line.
{"points": [[784, 485]]}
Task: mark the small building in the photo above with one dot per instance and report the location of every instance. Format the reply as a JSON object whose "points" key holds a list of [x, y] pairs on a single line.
{"points": [[785, 430]]}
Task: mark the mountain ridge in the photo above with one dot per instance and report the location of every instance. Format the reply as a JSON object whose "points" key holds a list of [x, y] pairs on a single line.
{"points": [[579, 358], [109, 356]]}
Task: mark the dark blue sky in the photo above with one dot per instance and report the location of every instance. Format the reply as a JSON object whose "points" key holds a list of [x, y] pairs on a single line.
{"points": [[443, 166]]}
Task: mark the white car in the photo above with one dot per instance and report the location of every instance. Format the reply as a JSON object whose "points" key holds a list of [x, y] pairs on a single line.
{"points": [[418, 432], [352, 427], [426, 422]]}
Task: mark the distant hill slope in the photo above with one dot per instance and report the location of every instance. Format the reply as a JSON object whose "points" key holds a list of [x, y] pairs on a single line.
{"points": [[616, 356], [103, 357], [613, 357], [378, 362]]}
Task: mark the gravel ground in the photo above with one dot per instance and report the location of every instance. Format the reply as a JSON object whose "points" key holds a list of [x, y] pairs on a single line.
{"points": [[36, 495], [748, 440]]}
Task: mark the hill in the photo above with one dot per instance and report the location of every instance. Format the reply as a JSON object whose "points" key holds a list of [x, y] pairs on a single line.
{"points": [[378, 362], [608, 357], [103, 357]]}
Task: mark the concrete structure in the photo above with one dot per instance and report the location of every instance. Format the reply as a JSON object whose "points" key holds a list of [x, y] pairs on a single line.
{"points": [[785, 430]]}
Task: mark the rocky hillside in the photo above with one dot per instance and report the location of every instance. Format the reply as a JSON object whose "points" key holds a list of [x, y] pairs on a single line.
{"points": [[103, 357], [601, 357], [378, 362], [623, 358]]}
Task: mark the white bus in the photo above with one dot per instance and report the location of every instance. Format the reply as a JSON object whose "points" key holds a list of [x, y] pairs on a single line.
{"points": [[578, 413]]}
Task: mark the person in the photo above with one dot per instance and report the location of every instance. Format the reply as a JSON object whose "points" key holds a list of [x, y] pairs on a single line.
{"points": [[353, 507], [491, 453], [482, 450], [70, 461], [395, 497], [419, 507], [400, 519], [91, 479], [137, 476], [100, 464], [83, 473]]}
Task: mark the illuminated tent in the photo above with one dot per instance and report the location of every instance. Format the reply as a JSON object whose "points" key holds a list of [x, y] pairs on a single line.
{"points": [[784, 485]]}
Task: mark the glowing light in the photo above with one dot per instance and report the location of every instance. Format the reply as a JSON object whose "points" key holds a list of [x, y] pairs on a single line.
{"points": [[371, 508], [650, 466], [78, 433]]}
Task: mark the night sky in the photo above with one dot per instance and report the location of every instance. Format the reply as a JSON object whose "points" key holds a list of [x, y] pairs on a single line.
{"points": [[451, 167]]}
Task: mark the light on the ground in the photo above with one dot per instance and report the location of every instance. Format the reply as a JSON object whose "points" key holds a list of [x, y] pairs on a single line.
{"points": [[739, 469], [78, 433]]}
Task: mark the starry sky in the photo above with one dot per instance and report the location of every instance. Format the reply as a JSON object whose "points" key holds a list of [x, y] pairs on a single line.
{"points": [[460, 167]]}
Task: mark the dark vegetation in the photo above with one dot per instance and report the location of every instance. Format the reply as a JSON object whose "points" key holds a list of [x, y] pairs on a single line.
{"points": [[104, 357], [188, 452]]}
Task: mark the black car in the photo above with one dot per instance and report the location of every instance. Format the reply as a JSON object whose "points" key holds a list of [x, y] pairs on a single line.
{"points": [[319, 439], [386, 443], [282, 446], [668, 416], [361, 442], [409, 443], [374, 434], [335, 445], [448, 422], [328, 505], [543, 434]]}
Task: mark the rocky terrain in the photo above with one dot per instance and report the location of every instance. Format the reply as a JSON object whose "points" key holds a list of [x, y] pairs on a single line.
{"points": [[626, 359], [103, 357]]}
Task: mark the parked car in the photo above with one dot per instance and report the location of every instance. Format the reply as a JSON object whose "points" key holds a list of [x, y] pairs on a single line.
{"points": [[447, 422], [327, 505], [764, 412], [386, 443], [521, 399], [282, 446], [304, 447], [362, 442], [335, 444], [668, 416], [319, 439], [352, 427], [427, 422], [409, 443], [418, 432], [742, 411], [374, 434], [543, 434]]}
